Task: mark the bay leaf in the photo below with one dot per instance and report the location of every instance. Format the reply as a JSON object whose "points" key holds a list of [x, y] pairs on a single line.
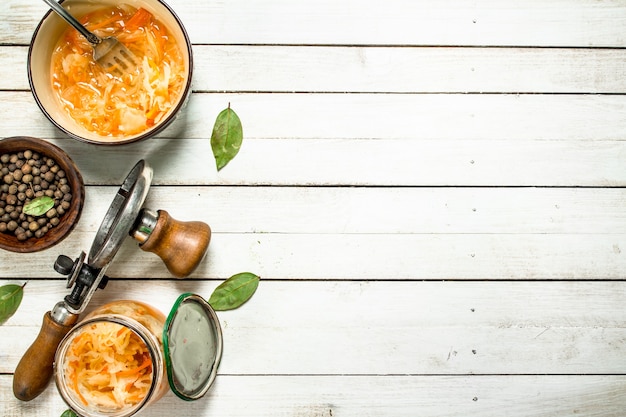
{"points": [[227, 137], [69, 413], [234, 292], [38, 206], [10, 299]]}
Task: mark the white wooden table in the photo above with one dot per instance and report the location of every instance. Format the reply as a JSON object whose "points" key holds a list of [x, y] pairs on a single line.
{"points": [[432, 192]]}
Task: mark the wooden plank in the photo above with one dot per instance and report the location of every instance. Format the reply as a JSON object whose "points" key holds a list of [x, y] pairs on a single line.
{"points": [[342, 162], [365, 328], [366, 210], [365, 256], [429, 117], [409, 69], [498, 140], [415, 210], [490, 233], [375, 396], [268, 68], [397, 22]]}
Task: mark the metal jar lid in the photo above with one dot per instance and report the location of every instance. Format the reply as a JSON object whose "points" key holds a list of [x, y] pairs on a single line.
{"points": [[192, 342]]}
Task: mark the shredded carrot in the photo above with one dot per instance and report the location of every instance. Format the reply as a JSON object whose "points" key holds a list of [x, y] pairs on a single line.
{"points": [[76, 388], [141, 18], [130, 372], [129, 386]]}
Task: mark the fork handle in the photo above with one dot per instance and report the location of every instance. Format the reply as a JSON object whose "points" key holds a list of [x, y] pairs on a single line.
{"points": [[92, 38]]}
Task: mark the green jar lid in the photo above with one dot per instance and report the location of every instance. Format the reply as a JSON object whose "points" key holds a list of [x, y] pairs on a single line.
{"points": [[192, 342]]}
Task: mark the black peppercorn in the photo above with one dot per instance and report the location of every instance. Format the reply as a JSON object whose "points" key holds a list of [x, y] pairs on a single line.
{"points": [[26, 176]]}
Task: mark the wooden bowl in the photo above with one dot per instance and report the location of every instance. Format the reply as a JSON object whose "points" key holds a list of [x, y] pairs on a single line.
{"points": [[75, 180]]}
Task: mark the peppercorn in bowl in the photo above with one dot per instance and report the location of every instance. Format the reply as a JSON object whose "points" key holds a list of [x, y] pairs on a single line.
{"points": [[121, 104], [41, 194]]}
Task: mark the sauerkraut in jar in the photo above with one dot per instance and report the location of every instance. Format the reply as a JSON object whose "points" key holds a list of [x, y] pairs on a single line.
{"points": [[112, 363], [122, 105]]}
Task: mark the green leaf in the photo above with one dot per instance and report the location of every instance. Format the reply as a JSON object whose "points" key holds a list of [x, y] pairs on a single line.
{"points": [[10, 299], [235, 291], [69, 413], [227, 137], [39, 206]]}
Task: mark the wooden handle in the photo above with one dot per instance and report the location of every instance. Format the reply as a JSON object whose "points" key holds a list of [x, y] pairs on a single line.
{"points": [[34, 371], [181, 245]]}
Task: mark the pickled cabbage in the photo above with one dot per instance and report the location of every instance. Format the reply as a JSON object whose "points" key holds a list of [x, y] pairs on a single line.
{"points": [[107, 366], [123, 105]]}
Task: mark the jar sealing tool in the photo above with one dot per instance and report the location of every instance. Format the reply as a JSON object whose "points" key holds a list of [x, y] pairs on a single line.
{"points": [[180, 245]]}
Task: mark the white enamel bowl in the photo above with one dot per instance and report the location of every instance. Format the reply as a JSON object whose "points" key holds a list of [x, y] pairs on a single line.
{"points": [[46, 36]]}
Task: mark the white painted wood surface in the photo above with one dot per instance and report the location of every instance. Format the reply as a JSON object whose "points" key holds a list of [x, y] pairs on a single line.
{"points": [[432, 191]]}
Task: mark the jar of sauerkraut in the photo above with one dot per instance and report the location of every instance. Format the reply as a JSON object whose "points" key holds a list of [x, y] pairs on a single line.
{"points": [[120, 357]]}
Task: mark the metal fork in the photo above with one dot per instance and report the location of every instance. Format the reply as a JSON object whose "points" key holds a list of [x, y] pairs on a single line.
{"points": [[108, 52]]}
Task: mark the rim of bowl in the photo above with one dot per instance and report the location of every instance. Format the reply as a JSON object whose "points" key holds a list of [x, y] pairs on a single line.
{"points": [[71, 216], [148, 133]]}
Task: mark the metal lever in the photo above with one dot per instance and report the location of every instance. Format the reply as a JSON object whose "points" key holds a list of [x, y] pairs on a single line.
{"points": [[82, 278], [181, 246]]}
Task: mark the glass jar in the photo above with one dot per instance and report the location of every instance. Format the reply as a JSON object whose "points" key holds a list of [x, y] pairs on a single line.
{"points": [[124, 355], [112, 363]]}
